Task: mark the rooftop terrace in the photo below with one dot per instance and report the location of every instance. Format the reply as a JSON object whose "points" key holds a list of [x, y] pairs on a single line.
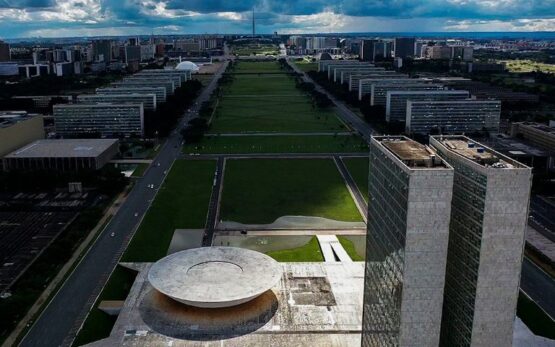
{"points": [[477, 153], [411, 153]]}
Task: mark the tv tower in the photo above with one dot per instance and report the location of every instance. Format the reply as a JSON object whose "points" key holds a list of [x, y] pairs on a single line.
{"points": [[253, 26]]}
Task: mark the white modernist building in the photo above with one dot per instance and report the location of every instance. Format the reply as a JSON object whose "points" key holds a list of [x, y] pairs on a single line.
{"points": [[215, 277], [148, 100], [378, 91], [167, 84], [353, 79], [453, 117], [396, 101], [160, 92], [102, 120]]}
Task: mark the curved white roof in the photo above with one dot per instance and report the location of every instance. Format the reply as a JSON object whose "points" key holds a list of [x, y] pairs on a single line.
{"points": [[214, 277], [187, 65]]}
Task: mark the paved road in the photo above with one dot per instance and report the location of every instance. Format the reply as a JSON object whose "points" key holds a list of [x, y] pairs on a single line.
{"points": [[542, 216], [214, 204], [273, 155], [539, 286], [61, 320], [348, 116]]}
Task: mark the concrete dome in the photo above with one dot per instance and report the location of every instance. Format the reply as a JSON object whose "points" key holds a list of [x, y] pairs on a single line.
{"points": [[213, 277], [187, 65]]}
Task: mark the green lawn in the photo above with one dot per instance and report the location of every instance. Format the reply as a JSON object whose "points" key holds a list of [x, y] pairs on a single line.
{"points": [[358, 168], [278, 144], [268, 102], [260, 85], [308, 253], [306, 66], [140, 170], [259, 66], [528, 66], [98, 324], [272, 114], [254, 49], [258, 191], [350, 248], [181, 203]]}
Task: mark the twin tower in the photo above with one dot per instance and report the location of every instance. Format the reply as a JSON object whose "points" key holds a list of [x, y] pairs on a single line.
{"points": [[445, 243]]}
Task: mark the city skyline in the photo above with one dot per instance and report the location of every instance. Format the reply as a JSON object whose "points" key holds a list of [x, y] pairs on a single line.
{"points": [[70, 18]]}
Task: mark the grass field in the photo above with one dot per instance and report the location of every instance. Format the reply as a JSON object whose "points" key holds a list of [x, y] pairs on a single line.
{"points": [[99, 324], [308, 253], [258, 85], [278, 144], [261, 190], [255, 49], [528, 66], [358, 168], [350, 248], [306, 66], [181, 203], [261, 66]]}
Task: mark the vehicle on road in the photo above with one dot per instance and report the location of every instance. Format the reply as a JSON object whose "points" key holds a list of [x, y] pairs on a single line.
{"points": [[136, 214], [112, 234]]}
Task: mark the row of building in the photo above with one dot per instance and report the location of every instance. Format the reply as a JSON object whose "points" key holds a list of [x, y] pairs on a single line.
{"points": [[103, 54], [445, 243], [423, 105], [118, 111], [88, 124]]}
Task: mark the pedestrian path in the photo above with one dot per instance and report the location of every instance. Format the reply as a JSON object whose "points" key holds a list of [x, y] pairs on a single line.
{"points": [[332, 249]]}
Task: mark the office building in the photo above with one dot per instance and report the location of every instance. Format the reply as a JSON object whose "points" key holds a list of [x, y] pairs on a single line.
{"points": [[18, 128], [184, 75], [160, 92], [453, 117], [404, 47], [5, 54], [62, 155], [175, 78], [353, 79], [489, 214], [337, 72], [147, 100], [102, 50], [167, 84], [323, 64], [365, 84], [345, 76], [44, 101], [9, 69], [367, 50], [132, 54], [378, 91], [541, 135], [396, 100], [100, 120], [147, 52], [334, 77], [406, 245], [64, 69]]}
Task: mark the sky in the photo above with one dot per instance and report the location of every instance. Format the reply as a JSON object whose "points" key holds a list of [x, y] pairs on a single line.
{"points": [[70, 18]]}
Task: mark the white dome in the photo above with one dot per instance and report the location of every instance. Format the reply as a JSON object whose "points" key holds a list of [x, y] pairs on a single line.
{"points": [[187, 65]]}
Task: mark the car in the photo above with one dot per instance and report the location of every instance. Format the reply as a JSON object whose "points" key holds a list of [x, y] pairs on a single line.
{"points": [[112, 234], [136, 214], [157, 164]]}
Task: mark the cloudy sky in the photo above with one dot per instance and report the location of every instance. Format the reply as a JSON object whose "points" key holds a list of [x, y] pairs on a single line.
{"points": [[64, 18]]}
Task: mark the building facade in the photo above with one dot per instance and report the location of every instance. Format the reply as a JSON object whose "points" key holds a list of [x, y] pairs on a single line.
{"points": [[18, 129], [489, 214], [378, 91], [406, 249], [540, 135], [396, 101], [147, 100], [453, 117], [404, 47], [62, 155], [99, 120], [160, 92]]}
